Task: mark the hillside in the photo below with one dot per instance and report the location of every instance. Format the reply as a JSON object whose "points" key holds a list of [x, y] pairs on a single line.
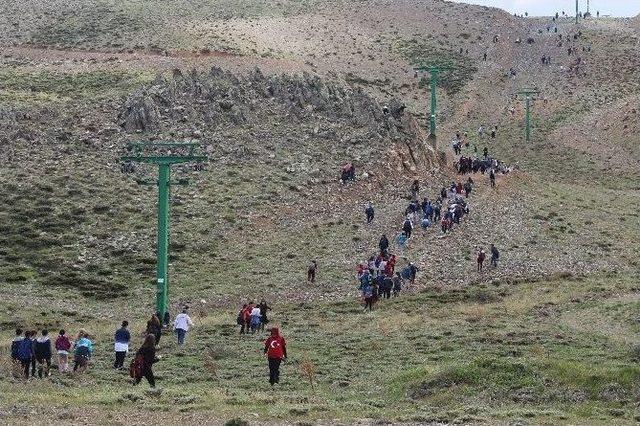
{"points": [[281, 95]]}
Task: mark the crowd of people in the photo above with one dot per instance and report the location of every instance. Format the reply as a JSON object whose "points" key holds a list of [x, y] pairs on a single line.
{"points": [[253, 317], [32, 354]]}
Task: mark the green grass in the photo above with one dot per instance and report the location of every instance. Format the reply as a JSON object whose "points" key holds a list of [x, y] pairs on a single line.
{"points": [[43, 87], [464, 360]]}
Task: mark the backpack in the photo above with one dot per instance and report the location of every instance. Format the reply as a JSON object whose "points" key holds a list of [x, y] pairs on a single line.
{"points": [[137, 364], [240, 318]]}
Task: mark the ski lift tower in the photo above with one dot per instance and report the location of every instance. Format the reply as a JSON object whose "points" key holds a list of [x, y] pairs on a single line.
{"points": [[434, 71], [528, 94], [164, 155]]}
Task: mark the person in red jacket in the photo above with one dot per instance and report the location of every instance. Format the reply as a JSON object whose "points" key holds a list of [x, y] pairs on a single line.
{"points": [[276, 350]]}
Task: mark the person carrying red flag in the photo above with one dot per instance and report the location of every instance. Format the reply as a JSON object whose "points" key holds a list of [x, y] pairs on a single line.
{"points": [[275, 348]]}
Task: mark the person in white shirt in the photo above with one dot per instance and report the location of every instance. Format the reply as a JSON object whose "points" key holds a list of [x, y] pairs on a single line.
{"points": [[181, 325]]}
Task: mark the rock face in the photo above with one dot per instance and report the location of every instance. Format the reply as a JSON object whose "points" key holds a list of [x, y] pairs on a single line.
{"points": [[199, 105]]}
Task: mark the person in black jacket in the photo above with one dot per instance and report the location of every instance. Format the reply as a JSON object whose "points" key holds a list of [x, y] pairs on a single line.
{"points": [[148, 355], [15, 345], [42, 353], [383, 245]]}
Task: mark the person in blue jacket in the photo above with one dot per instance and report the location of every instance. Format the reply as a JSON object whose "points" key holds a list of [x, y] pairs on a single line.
{"points": [[43, 354], [121, 345], [25, 353]]}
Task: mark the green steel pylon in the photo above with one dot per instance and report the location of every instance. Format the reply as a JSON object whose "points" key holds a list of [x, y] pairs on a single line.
{"points": [[434, 71], [529, 95], [164, 155]]}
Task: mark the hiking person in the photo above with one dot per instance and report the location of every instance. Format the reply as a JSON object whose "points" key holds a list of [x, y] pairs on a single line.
{"points": [[255, 319], [386, 287], [121, 345], [311, 272], [425, 223], [415, 189], [413, 271], [480, 260], [407, 227], [492, 178], [263, 313], [63, 346], [15, 346], [397, 284], [495, 255], [240, 318], [369, 211], [246, 316], [367, 295], [485, 152], [154, 327], [275, 348], [401, 240], [181, 325], [143, 362], [383, 245], [42, 353], [83, 351], [24, 353], [467, 189]]}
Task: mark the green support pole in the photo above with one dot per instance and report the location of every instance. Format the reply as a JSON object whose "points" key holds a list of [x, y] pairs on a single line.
{"points": [[528, 94], [163, 238], [432, 117], [528, 119], [164, 155]]}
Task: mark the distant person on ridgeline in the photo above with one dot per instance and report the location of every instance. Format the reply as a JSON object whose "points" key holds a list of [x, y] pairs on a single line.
{"points": [[492, 178], [121, 345], [181, 325], [43, 354], [311, 272], [263, 313], [255, 319], [397, 284], [383, 245], [63, 346], [275, 348], [480, 132], [484, 57], [82, 352], [480, 259], [369, 212], [495, 255], [154, 327], [143, 362], [24, 353]]}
